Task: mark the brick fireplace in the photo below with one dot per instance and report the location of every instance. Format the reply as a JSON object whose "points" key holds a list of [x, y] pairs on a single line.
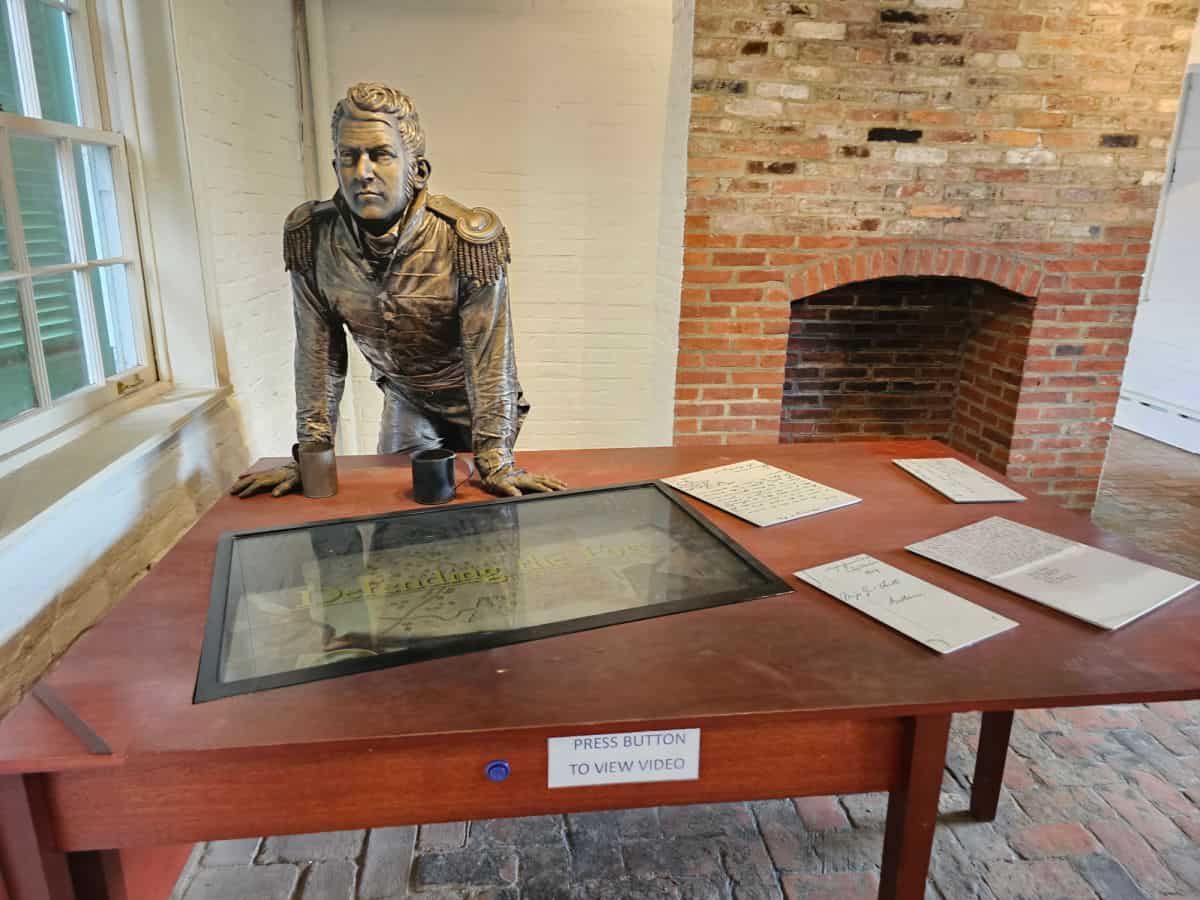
{"points": [[985, 180], [937, 357]]}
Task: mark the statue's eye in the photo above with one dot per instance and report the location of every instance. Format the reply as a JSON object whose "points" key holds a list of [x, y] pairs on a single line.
{"points": [[383, 155]]}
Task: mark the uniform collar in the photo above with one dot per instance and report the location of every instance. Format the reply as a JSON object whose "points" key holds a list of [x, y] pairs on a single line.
{"points": [[378, 248]]}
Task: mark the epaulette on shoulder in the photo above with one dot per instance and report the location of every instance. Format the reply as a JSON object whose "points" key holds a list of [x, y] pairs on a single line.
{"points": [[299, 241], [481, 251]]}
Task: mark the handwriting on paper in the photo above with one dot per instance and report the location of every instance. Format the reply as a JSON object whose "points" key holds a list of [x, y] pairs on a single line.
{"points": [[1050, 575], [958, 481], [760, 493], [1082, 581], [992, 547], [922, 611]]}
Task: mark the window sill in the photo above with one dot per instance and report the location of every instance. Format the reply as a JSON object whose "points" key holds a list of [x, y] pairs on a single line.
{"points": [[32, 486]]}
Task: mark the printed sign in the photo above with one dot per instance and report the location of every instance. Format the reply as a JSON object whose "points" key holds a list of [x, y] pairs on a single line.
{"points": [[632, 756]]}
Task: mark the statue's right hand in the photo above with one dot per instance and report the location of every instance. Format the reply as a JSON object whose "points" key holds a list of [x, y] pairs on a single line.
{"points": [[279, 481]]}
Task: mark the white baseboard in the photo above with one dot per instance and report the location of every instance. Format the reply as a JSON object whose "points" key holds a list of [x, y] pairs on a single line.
{"points": [[1159, 422]]}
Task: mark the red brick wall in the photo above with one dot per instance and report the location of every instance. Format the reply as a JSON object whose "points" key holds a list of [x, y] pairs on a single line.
{"points": [[884, 359], [994, 359], [1019, 143]]}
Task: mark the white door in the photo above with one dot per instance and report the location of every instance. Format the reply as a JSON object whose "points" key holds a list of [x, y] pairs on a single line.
{"points": [[1162, 375]]}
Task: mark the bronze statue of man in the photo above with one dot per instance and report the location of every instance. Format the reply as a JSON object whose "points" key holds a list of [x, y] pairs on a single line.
{"points": [[420, 283]]}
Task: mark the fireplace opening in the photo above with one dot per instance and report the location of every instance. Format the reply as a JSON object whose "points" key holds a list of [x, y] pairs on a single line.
{"points": [[908, 357]]}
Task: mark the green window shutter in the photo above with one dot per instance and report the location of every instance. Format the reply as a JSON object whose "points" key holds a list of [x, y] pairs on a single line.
{"points": [[50, 39], [10, 94]]}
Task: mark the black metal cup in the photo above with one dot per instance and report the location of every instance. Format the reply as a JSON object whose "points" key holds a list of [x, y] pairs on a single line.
{"points": [[433, 475]]}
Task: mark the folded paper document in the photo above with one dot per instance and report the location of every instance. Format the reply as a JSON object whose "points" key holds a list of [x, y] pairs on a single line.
{"points": [[958, 481], [922, 611], [1082, 581]]}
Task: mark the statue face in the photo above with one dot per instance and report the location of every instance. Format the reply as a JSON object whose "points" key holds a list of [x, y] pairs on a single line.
{"points": [[372, 166]]}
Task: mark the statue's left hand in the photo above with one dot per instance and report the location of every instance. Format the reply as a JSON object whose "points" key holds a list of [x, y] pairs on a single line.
{"points": [[513, 482], [278, 481]]}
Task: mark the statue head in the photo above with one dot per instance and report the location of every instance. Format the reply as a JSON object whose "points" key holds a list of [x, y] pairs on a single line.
{"points": [[379, 152]]}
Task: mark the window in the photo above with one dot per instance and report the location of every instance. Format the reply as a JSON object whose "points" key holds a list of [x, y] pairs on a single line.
{"points": [[74, 329]]}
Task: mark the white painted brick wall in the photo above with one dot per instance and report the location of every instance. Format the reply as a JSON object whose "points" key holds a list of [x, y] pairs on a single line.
{"points": [[672, 206], [238, 76], [554, 114]]}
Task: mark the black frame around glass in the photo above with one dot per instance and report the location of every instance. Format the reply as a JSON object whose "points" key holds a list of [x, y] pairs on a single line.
{"points": [[210, 687]]}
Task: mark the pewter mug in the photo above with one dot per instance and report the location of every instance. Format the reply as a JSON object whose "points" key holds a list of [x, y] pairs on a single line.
{"points": [[318, 471]]}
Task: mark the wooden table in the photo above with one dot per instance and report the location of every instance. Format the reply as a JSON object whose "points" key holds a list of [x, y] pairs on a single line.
{"points": [[795, 695]]}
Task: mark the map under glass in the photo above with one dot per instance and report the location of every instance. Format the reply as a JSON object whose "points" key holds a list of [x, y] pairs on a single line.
{"points": [[315, 601]]}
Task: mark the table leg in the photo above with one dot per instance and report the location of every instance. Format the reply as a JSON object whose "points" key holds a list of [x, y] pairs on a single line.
{"points": [[989, 764], [913, 808], [97, 875], [132, 873], [30, 868]]}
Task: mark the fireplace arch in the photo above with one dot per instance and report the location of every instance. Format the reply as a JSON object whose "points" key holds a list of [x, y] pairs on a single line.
{"points": [[1020, 275], [908, 356]]}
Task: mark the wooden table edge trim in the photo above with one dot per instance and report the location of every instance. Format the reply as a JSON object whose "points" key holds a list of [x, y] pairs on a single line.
{"points": [[167, 799], [60, 763]]}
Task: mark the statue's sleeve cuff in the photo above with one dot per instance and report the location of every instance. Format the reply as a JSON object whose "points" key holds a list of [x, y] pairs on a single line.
{"points": [[490, 461]]}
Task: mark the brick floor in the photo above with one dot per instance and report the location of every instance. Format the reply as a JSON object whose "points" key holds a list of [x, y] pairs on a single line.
{"points": [[1150, 493], [1101, 802]]}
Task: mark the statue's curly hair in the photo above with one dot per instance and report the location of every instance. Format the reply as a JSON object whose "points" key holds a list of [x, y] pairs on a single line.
{"points": [[369, 97]]}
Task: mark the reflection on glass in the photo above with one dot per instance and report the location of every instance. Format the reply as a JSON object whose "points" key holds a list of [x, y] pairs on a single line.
{"points": [[50, 37], [35, 163], [61, 333], [110, 294], [443, 581], [97, 200], [10, 93], [16, 379]]}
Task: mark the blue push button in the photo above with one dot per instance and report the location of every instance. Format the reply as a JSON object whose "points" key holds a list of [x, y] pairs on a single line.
{"points": [[498, 770]]}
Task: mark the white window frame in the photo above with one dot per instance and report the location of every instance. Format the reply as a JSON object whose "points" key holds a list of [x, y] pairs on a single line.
{"points": [[51, 416]]}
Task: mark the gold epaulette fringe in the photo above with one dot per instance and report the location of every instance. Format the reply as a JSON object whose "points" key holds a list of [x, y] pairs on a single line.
{"points": [[298, 249], [483, 262], [299, 244], [481, 249]]}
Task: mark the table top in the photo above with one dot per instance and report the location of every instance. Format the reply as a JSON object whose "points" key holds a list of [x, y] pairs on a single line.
{"points": [[804, 654]]}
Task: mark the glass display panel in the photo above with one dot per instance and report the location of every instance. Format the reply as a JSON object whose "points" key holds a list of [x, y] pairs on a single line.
{"points": [[296, 604], [114, 320], [61, 332], [50, 40], [16, 378], [39, 192], [97, 200]]}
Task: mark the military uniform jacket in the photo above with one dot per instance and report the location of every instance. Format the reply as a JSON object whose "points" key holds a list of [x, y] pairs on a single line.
{"points": [[439, 331]]}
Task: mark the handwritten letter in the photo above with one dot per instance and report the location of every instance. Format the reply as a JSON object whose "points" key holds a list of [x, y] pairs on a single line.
{"points": [[957, 480], [992, 547], [1085, 582], [759, 493], [922, 611]]}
